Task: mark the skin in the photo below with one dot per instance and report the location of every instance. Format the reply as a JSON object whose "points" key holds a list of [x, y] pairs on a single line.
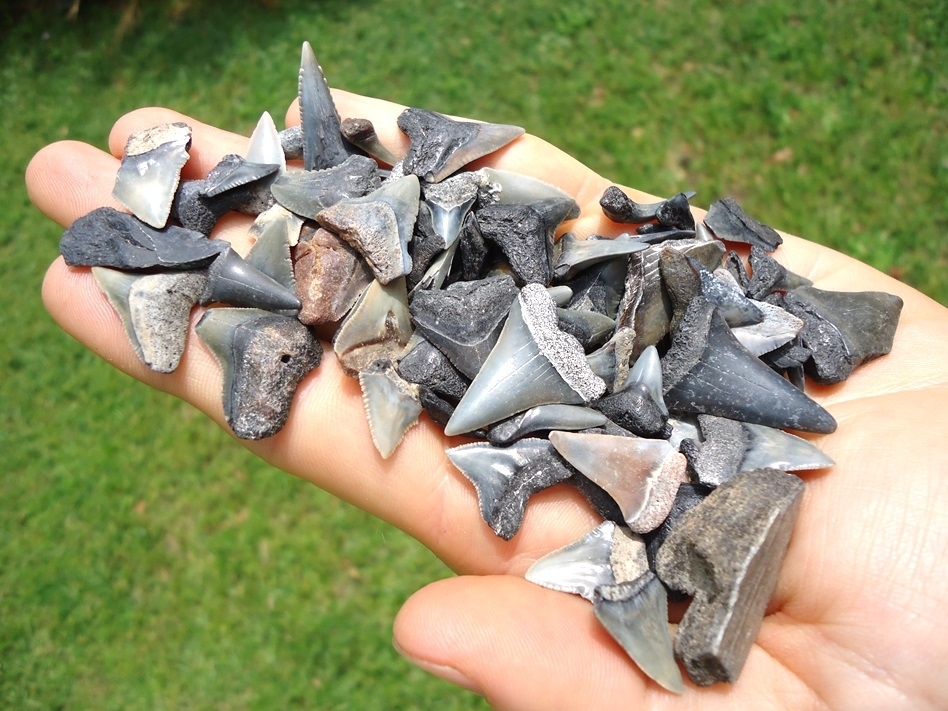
{"points": [[857, 620]]}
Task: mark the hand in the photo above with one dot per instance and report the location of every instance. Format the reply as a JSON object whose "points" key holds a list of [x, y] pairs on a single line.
{"points": [[857, 620]]}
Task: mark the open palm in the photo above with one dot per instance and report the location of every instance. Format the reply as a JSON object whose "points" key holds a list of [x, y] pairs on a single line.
{"points": [[857, 620]]}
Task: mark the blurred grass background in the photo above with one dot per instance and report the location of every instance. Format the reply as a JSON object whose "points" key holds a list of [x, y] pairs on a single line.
{"points": [[146, 560]]}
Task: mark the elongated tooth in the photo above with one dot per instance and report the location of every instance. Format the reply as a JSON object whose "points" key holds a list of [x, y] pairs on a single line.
{"points": [[150, 171], [509, 188], [323, 146], [505, 478], [533, 363], [619, 207], [776, 449], [647, 370], [361, 133], [392, 405], [727, 552], [706, 370], [545, 417], [718, 457], [636, 615], [264, 145], [450, 201], [263, 357], [642, 475], [578, 254], [270, 255], [377, 328], [580, 567], [234, 173], [440, 145], [309, 192], [231, 280], [729, 222], [778, 328], [379, 225]]}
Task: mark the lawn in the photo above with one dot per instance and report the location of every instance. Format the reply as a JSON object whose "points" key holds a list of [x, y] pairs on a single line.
{"points": [[146, 560]]}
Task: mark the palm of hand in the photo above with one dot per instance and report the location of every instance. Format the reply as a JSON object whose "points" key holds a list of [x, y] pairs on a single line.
{"points": [[855, 622]]}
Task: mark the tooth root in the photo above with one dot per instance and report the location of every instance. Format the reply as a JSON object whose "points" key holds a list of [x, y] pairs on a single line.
{"points": [[776, 449], [392, 406], [231, 280], [361, 133], [234, 173], [323, 146], [330, 277], [719, 456], [450, 202], [580, 567]]}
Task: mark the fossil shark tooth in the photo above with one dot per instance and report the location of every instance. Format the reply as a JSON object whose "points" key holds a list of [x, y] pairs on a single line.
{"points": [[361, 133], [706, 370], [106, 237], [392, 405], [473, 249], [289, 222], [509, 188], [718, 457], [379, 225], [263, 358], [727, 552], [524, 237], [440, 145], [682, 284], [195, 211], [674, 213], [450, 201], [425, 365], [634, 409], [155, 310], [768, 275], [232, 280], [578, 254], [151, 170], [377, 328], [603, 362], [642, 475], [599, 288], [270, 254], [769, 448], [561, 295], [619, 207], [736, 308], [425, 246], [591, 329], [323, 146], [438, 271], [533, 363], [330, 277], [636, 615], [545, 417], [729, 222], [309, 192], [778, 328], [234, 173], [647, 370], [506, 477], [264, 146]]}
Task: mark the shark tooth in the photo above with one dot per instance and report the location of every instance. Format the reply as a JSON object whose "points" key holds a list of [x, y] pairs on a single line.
{"points": [[603, 362], [579, 567], [635, 409], [289, 222], [769, 448], [619, 207], [674, 214], [309, 192], [106, 237], [727, 552], [450, 201], [265, 146], [642, 475], [591, 329], [599, 288], [425, 365], [232, 280], [577, 254], [270, 254], [440, 145], [392, 405], [361, 133], [438, 271], [718, 457], [681, 282], [647, 370], [263, 358], [472, 248], [195, 211], [533, 363], [706, 370], [234, 172], [323, 146], [545, 417], [768, 275], [377, 328], [155, 310], [736, 308], [524, 238], [505, 478], [330, 277], [379, 225], [509, 188], [150, 171], [778, 328], [636, 615], [561, 294], [729, 222]]}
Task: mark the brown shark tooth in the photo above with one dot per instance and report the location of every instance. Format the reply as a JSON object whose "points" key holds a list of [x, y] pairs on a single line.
{"points": [[361, 133], [309, 192], [392, 405], [377, 328], [729, 222], [727, 552], [323, 146], [330, 277]]}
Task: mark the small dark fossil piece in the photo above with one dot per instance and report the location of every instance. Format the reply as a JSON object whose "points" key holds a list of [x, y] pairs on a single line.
{"points": [[523, 236], [728, 221], [427, 366], [361, 133], [719, 456], [635, 409]]}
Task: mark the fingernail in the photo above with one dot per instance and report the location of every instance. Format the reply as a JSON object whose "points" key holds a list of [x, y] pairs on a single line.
{"points": [[441, 671]]}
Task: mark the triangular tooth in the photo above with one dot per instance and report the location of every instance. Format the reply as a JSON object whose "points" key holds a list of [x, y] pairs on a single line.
{"points": [[377, 328], [533, 363], [160, 309], [330, 276], [323, 146], [706, 370], [450, 201], [290, 222], [361, 133], [590, 328], [736, 308], [231, 280], [776, 449], [117, 285], [647, 370], [309, 192], [642, 475], [234, 172], [634, 409], [264, 145], [577, 254], [270, 254], [438, 271], [579, 567], [636, 615], [509, 188], [599, 288], [379, 225], [392, 405], [545, 417], [151, 170], [778, 328]]}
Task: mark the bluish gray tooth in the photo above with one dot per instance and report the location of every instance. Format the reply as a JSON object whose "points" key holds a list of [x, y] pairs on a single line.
{"points": [[580, 567], [234, 172], [590, 328], [438, 271], [264, 145], [776, 449], [603, 362], [450, 201], [323, 146], [231, 280], [271, 255], [648, 371], [777, 329], [392, 405], [533, 363], [507, 188], [719, 456], [636, 615], [151, 170], [578, 254], [116, 285], [377, 328], [545, 417], [736, 308], [361, 133], [560, 294], [309, 192], [554, 211]]}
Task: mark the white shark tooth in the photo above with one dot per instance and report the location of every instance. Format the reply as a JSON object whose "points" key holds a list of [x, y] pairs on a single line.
{"points": [[377, 328], [533, 363], [392, 405], [323, 146], [776, 449], [577, 254], [264, 145], [778, 328]]}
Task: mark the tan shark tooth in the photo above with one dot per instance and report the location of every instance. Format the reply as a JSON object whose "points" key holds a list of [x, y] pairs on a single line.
{"points": [[264, 145], [151, 170], [361, 133], [330, 276], [323, 146], [392, 405], [772, 448], [642, 475], [377, 328], [533, 363]]}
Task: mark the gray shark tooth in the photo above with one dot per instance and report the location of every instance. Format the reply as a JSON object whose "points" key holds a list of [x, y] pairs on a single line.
{"points": [[689, 495], [265, 146], [291, 139], [843, 329], [524, 238], [577, 254], [440, 145], [769, 448], [309, 192], [392, 405], [361, 133], [270, 254], [234, 172], [599, 288], [505, 478], [579, 567], [718, 457], [729, 222], [636, 615], [289, 222], [681, 282], [642, 475], [727, 552], [533, 363], [647, 370], [450, 201], [591, 329], [768, 275], [155, 310], [778, 328], [465, 319], [106, 237], [330, 276], [232, 280], [736, 308], [734, 265], [151, 170], [603, 362], [438, 271], [706, 370], [427, 366], [377, 328], [379, 225], [263, 358], [635, 409], [509, 188], [542, 418], [323, 146]]}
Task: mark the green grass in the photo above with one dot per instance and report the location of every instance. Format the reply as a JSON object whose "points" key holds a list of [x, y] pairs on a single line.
{"points": [[146, 560]]}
